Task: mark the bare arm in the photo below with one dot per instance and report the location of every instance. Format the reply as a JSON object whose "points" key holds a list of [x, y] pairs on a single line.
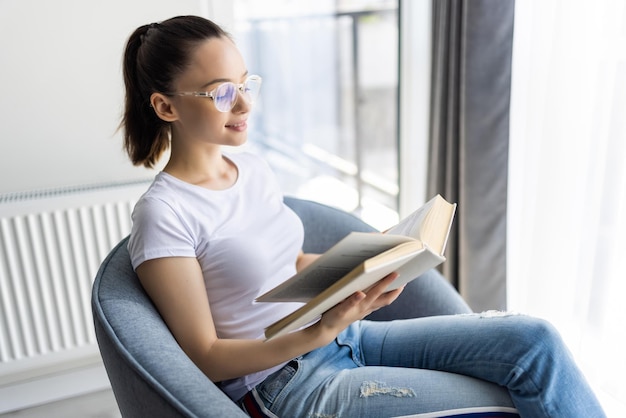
{"points": [[176, 287], [304, 259]]}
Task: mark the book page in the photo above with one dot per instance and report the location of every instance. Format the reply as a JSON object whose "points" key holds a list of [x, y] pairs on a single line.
{"points": [[430, 223], [410, 226]]}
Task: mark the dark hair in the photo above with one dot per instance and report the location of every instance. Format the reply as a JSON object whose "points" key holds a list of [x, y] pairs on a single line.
{"points": [[155, 55]]}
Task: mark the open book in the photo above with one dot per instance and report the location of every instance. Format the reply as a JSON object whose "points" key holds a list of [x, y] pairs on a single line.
{"points": [[361, 259]]}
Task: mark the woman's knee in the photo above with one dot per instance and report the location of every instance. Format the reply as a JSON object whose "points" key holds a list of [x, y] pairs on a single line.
{"points": [[535, 333]]}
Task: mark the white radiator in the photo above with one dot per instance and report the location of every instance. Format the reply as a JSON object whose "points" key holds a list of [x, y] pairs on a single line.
{"points": [[51, 245]]}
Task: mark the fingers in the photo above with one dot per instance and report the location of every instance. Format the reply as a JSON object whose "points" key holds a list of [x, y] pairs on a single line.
{"points": [[387, 298], [360, 304], [365, 302], [379, 296], [381, 286]]}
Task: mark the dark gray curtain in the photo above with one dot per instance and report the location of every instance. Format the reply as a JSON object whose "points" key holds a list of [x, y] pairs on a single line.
{"points": [[469, 135]]}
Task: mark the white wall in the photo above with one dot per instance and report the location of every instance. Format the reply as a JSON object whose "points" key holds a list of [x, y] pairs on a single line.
{"points": [[61, 97], [61, 92]]}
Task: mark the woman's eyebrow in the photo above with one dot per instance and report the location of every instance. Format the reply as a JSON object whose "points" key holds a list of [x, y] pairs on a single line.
{"points": [[217, 80], [222, 80]]}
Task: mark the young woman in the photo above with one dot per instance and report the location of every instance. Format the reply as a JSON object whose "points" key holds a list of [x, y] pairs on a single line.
{"points": [[212, 233]]}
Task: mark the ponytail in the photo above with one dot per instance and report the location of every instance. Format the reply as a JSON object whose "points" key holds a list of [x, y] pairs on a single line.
{"points": [[146, 136]]}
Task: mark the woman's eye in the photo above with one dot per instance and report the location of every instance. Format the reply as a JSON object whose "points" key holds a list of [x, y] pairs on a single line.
{"points": [[226, 91]]}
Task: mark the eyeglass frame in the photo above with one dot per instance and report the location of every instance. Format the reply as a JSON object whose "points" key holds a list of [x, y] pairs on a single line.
{"points": [[211, 94]]}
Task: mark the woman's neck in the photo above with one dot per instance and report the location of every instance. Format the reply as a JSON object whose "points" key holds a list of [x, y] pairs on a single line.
{"points": [[207, 168]]}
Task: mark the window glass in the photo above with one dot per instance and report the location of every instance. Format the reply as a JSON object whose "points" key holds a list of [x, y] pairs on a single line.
{"points": [[326, 120]]}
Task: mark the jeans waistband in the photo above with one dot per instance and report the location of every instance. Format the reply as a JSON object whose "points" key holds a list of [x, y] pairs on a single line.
{"points": [[254, 407]]}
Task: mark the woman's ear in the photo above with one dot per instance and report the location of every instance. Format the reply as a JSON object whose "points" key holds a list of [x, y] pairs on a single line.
{"points": [[163, 107]]}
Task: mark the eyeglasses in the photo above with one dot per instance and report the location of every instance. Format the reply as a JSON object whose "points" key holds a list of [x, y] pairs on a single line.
{"points": [[225, 95]]}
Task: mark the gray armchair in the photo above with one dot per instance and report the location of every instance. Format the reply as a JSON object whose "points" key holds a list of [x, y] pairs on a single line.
{"points": [[150, 374]]}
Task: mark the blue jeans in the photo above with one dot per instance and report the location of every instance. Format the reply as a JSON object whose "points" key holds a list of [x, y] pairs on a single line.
{"points": [[396, 368]]}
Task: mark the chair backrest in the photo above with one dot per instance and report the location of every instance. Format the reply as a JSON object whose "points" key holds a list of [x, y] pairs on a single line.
{"points": [[324, 225], [150, 374]]}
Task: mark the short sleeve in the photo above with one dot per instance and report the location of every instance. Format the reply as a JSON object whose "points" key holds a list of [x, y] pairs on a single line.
{"points": [[158, 232]]}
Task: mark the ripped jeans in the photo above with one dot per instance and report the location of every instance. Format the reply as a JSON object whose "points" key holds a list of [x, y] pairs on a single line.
{"points": [[444, 363]]}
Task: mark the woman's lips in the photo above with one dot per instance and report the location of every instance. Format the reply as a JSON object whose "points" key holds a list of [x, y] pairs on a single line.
{"points": [[238, 126]]}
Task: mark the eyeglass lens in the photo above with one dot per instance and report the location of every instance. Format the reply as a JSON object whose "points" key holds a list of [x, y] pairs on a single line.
{"points": [[226, 94], [225, 97]]}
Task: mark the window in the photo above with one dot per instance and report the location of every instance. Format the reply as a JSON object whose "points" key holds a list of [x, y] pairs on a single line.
{"points": [[327, 117]]}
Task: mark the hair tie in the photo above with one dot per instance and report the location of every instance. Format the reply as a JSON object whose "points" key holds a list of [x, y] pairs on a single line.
{"points": [[144, 35]]}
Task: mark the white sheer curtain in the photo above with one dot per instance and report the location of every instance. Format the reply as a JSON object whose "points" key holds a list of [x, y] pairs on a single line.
{"points": [[567, 207]]}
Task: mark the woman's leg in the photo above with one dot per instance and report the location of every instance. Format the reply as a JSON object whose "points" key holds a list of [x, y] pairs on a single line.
{"points": [[330, 382], [524, 354], [434, 364]]}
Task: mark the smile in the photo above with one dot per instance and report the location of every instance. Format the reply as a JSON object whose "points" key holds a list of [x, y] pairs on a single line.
{"points": [[237, 126]]}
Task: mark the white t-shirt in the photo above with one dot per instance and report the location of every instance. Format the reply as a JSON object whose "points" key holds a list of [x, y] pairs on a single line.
{"points": [[245, 239]]}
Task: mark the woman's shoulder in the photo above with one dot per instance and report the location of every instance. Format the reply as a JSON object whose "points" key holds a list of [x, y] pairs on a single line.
{"points": [[160, 194]]}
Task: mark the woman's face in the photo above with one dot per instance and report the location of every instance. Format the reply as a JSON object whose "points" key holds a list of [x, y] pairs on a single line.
{"points": [[215, 61]]}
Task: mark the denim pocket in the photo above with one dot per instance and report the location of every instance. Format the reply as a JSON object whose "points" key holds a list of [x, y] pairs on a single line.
{"points": [[351, 338], [271, 387]]}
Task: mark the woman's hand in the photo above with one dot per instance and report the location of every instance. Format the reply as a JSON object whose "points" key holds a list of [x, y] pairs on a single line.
{"points": [[358, 306]]}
